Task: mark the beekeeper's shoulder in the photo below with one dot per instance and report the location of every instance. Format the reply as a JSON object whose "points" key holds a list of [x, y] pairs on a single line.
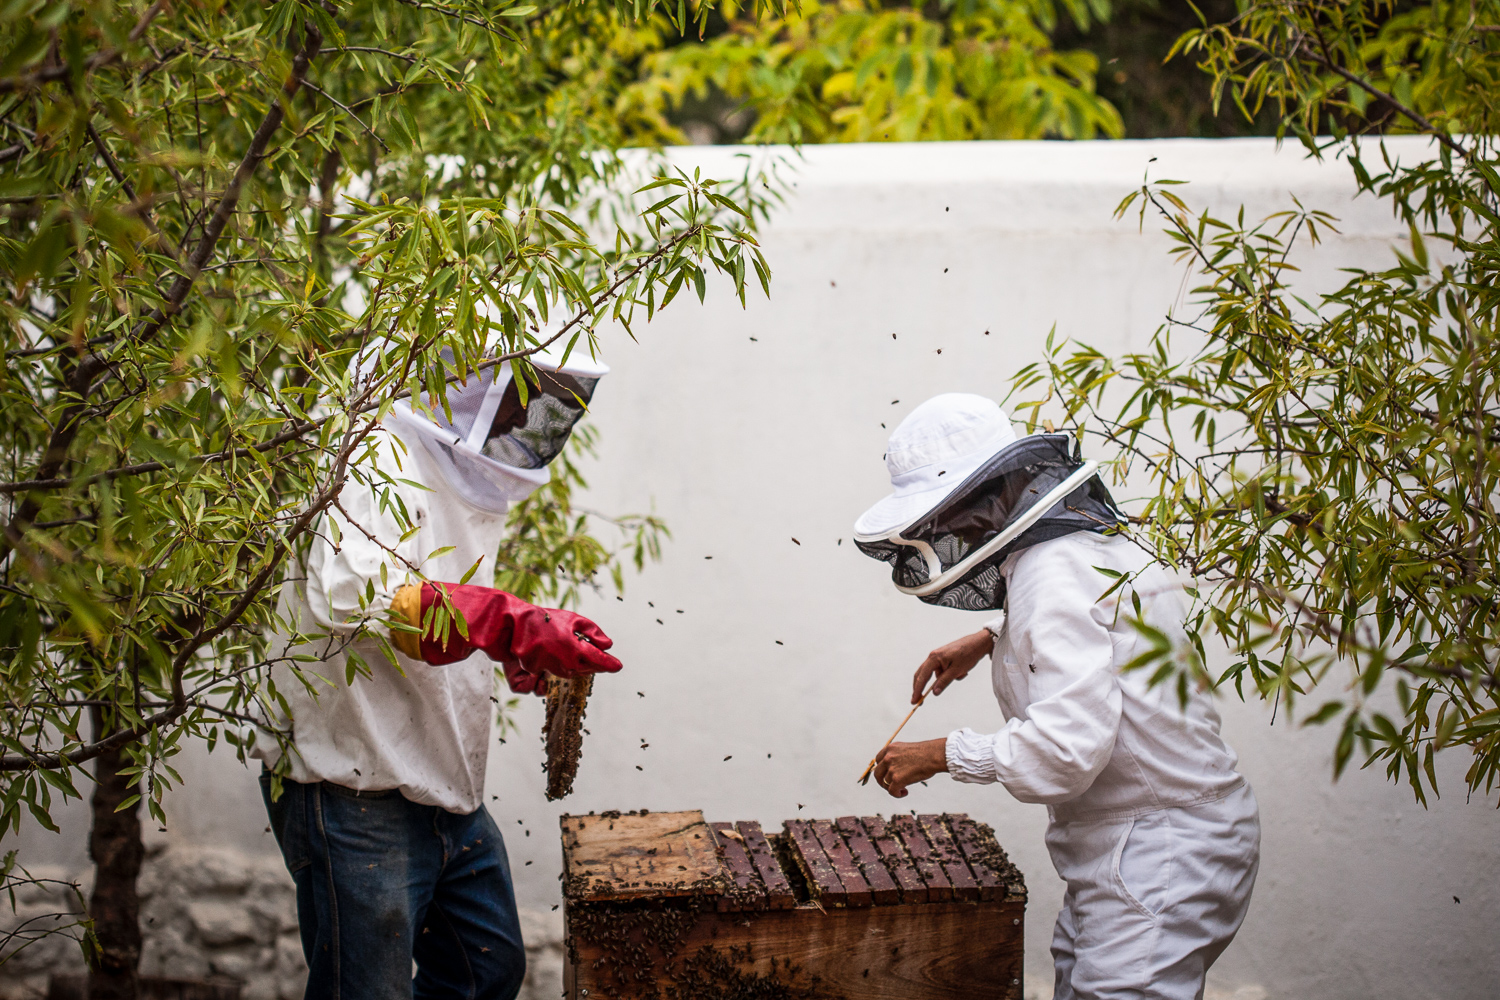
{"points": [[1078, 557]]}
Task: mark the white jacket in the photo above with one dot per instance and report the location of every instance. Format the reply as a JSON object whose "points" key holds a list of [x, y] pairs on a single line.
{"points": [[1090, 742], [421, 729]]}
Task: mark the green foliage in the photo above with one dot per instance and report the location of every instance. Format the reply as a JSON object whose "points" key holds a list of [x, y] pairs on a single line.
{"points": [[209, 209], [1159, 97], [858, 70], [1327, 466]]}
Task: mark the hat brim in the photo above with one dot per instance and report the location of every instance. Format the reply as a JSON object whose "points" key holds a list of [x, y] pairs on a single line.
{"points": [[900, 509], [895, 511]]}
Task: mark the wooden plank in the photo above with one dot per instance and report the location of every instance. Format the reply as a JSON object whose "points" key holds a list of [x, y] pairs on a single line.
{"points": [[936, 951], [779, 895], [822, 880], [949, 856], [939, 889], [883, 889], [856, 889], [979, 851], [613, 856], [741, 869], [748, 891], [897, 861]]}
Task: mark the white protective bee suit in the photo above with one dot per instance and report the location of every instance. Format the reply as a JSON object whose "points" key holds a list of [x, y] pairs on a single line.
{"points": [[420, 728], [1154, 832]]}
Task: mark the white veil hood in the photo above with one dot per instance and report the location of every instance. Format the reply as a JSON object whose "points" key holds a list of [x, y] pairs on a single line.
{"points": [[458, 446]]}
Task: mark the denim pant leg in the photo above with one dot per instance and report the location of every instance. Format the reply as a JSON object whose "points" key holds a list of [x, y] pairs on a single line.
{"points": [[289, 823], [469, 944], [375, 864], [374, 859]]}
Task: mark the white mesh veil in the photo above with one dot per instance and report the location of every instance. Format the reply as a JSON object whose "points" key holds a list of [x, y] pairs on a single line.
{"points": [[495, 448], [1033, 490]]}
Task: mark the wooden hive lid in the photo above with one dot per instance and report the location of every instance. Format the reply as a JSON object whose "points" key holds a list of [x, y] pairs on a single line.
{"points": [[621, 856]]}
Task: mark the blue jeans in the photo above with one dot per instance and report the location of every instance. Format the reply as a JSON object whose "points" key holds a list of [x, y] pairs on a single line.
{"points": [[382, 881]]}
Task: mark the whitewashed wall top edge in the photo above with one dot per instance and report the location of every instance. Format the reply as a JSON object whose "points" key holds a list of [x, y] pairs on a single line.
{"points": [[1043, 187]]}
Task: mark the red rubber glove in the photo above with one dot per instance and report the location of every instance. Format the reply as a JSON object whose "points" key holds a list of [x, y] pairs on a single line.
{"points": [[528, 641], [522, 681]]}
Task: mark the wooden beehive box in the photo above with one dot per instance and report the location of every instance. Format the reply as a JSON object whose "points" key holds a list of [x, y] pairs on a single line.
{"points": [[665, 906]]}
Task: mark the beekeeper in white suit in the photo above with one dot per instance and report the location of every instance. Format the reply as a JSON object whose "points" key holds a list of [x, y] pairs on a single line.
{"points": [[382, 822], [1154, 831]]}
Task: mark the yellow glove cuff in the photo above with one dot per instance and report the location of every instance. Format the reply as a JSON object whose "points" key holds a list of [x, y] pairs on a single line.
{"points": [[406, 607]]}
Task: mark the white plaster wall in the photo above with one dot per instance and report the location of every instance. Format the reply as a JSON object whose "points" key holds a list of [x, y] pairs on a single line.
{"points": [[744, 444]]}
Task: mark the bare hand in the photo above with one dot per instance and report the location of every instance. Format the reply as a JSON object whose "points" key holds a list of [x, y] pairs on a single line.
{"points": [[951, 662], [902, 764]]}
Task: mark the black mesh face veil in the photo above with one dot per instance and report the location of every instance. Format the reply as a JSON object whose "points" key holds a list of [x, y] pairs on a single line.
{"points": [[531, 435], [998, 497]]}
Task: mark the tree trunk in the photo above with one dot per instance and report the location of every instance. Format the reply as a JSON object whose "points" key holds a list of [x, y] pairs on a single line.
{"points": [[115, 847]]}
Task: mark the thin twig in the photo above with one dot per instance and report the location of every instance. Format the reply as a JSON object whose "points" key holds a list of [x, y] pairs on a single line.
{"points": [[368, 48], [368, 130], [450, 12]]}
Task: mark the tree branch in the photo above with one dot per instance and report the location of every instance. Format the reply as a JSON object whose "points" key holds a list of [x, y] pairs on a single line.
{"points": [[205, 634], [450, 12], [141, 210], [368, 130], [88, 369], [26, 81], [1416, 117], [224, 210], [210, 458]]}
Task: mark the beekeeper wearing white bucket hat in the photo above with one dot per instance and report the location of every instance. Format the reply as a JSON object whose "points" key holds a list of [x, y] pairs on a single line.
{"points": [[382, 822], [1154, 831]]}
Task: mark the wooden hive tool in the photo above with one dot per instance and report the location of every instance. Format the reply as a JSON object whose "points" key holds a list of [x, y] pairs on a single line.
{"points": [[864, 779]]}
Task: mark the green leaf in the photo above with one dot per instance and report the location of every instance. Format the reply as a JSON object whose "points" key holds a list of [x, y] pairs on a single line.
{"points": [[470, 571], [903, 74], [1327, 711]]}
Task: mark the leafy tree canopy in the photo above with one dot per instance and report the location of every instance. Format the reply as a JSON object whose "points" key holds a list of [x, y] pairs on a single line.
{"points": [[208, 210], [1325, 463], [862, 71]]}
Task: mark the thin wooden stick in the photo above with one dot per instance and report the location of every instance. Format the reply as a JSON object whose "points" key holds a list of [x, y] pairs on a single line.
{"points": [[864, 779]]}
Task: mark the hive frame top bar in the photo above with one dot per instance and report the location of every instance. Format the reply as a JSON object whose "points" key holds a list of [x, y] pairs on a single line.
{"points": [[850, 862]]}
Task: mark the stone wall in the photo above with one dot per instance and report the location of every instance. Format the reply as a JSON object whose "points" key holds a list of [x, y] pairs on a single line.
{"points": [[219, 913]]}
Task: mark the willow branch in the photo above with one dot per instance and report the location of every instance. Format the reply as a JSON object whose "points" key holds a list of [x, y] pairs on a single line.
{"points": [[26, 81], [224, 210], [81, 378], [212, 458], [1416, 117]]}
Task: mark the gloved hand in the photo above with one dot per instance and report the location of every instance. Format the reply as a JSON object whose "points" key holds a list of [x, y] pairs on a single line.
{"points": [[528, 641], [522, 681]]}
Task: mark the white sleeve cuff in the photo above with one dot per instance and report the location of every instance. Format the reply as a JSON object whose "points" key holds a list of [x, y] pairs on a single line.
{"points": [[995, 626], [971, 757]]}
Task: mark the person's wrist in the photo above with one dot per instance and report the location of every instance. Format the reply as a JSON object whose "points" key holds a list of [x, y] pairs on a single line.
{"points": [[937, 755], [977, 647]]}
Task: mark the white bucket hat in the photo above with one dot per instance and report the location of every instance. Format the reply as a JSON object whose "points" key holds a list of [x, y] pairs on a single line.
{"points": [[932, 452]]}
